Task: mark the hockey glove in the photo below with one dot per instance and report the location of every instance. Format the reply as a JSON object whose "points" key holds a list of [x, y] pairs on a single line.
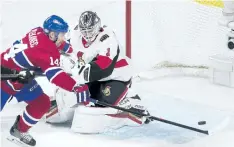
{"points": [[25, 76], [82, 93]]}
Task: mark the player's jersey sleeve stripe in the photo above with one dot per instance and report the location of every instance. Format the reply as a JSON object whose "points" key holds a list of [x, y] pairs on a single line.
{"points": [[52, 72], [26, 58], [17, 42], [66, 47], [12, 87], [21, 66], [22, 60], [121, 63], [103, 62], [51, 68], [55, 75]]}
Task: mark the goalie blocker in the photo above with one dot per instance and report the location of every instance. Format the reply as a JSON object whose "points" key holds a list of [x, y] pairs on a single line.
{"points": [[90, 118]]}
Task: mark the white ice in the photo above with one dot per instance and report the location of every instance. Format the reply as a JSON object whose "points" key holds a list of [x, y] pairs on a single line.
{"points": [[185, 100]]}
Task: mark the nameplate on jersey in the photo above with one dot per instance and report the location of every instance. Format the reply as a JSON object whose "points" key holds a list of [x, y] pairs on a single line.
{"points": [[104, 37]]}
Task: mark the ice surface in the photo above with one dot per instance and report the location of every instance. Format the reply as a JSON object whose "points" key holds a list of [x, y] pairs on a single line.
{"points": [[184, 100]]}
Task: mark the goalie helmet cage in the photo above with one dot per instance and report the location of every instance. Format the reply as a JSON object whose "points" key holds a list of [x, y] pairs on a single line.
{"points": [[200, 36]]}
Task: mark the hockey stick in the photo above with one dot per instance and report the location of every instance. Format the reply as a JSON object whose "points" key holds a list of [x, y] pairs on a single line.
{"points": [[151, 117], [5, 77], [15, 76], [9, 76]]}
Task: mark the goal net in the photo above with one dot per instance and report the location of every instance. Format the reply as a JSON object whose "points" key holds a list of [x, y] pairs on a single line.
{"points": [[163, 37], [176, 38]]}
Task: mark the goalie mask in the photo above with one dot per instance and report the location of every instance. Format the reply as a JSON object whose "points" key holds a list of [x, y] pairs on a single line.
{"points": [[89, 25]]}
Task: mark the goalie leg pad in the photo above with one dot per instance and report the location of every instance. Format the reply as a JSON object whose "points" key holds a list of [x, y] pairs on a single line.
{"points": [[61, 107], [93, 120]]}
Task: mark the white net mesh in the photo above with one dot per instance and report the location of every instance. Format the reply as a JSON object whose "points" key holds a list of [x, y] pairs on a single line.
{"points": [[169, 69], [175, 37], [180, 38]]}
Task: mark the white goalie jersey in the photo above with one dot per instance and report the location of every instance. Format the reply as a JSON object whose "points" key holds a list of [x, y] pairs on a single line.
{"points": [[101, 51]]}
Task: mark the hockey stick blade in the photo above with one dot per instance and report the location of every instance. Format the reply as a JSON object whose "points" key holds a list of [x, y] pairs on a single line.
{"points": [[179, 125], [151, 117]]}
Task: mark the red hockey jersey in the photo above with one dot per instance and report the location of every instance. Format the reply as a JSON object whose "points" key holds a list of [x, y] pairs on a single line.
{"points": [[36, 51]]}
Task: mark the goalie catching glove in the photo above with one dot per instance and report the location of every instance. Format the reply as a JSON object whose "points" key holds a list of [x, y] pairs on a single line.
{"points": [[92, 72]]}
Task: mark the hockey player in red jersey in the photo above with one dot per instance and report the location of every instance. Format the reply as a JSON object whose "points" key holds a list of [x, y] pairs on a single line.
{"points": [[38, 50]]}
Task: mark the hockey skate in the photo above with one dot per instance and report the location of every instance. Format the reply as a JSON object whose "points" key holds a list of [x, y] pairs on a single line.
{"points": [[23, 139], [134, 104], [147, 120]]}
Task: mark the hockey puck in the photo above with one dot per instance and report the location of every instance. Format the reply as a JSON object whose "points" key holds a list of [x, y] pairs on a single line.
{"points": [[201, 122]]}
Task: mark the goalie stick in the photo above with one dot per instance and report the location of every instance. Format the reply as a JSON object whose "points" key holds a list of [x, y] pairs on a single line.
{"points": [[149, 116]]}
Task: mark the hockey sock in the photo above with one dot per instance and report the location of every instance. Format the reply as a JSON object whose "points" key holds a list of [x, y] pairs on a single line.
{"points": [[34, 112]]}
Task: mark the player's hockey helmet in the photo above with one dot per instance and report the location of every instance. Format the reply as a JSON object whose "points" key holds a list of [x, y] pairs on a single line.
{"points": [[55, 24], [89, 25]]}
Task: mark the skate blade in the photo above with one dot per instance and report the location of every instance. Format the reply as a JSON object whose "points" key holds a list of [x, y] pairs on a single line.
{"points": [[17, 141]]}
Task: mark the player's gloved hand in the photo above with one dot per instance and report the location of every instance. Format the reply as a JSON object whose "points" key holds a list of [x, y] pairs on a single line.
{"points": [[24, 76], [82, 93]]}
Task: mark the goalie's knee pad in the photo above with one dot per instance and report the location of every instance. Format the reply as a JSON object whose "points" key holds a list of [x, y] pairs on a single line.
{"points": [[56, 115], [61, 109]]}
